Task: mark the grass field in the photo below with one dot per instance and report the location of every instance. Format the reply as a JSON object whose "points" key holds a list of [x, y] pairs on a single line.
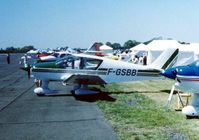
{"points": [[138, 112]]}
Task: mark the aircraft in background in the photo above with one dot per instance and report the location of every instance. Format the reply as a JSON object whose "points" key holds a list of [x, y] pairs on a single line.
{"points": [[186, 79], [54, 56], [82, 70], [49, 55], [99, 50]]}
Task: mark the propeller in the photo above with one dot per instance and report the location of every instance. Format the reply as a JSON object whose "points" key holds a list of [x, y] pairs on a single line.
{"points": [[170, 95], [174, 72]]}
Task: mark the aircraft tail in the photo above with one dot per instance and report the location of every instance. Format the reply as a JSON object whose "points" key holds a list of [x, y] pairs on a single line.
{"points": [[166, 59], [94, 50]]}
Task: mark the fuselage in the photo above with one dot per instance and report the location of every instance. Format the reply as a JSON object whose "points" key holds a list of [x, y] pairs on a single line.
{"points": [[107, 69], [188, 83], [187, 77]]}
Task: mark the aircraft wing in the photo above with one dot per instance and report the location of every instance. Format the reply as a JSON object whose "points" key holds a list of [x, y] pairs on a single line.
{"points": [[84, 79]]}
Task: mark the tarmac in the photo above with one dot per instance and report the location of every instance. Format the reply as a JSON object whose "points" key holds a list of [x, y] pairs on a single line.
{"points": [[26, 116]]}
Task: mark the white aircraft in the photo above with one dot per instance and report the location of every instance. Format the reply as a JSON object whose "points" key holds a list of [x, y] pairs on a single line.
{"points": [[83, 70], [54, 56]]}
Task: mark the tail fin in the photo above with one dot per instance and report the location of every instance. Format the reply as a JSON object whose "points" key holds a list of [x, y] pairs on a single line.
{"points": [[166, 59], [94, 50]]}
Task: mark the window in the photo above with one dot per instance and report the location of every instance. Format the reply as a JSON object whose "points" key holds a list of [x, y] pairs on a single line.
{"points": [[89, 63]]}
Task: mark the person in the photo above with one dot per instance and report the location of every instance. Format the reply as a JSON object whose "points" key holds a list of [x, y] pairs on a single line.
{"points": [[82, 63], [28, 70], [140, 59], [135, 59], [8, 58], [25, 60], [145, 59]]}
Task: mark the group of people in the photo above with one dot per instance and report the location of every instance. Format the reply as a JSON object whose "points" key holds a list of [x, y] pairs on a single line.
{"points": [[136, 58], [140, 60]]}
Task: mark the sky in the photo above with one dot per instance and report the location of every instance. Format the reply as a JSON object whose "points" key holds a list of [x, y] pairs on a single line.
{"points": [[80, 23]]}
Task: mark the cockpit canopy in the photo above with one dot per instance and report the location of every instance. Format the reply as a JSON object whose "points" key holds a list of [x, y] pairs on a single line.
{"points": [[194, 64], [76, 62]]}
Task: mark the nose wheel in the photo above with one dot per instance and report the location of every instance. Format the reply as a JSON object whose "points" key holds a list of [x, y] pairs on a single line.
{"points": [[192, 111], [43, 89]]}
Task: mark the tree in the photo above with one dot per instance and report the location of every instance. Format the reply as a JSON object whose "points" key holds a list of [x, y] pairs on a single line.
{"points": [[109, 44], [130, 43], [11, 50], [2, 51], [149, 41], [17, 50], [27, 48], [116, 46]]}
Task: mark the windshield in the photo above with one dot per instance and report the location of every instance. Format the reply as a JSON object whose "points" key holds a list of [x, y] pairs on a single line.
{"points": [[79, 63], [89, 63], [195, 63]]}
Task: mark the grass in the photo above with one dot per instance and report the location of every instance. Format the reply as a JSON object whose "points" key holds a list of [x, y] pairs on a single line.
{"points": [[138, 113]]}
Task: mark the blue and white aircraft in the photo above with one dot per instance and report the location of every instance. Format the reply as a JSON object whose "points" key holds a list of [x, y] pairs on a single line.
{"points": [[186, 79]]}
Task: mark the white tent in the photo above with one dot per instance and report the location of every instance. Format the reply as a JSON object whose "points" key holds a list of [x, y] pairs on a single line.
{"points": [[105, 47], [156, 47], [138, 50], [161, 45], [139, 47], [96, 48], [185, 56], [195, 48], [187, 52]]}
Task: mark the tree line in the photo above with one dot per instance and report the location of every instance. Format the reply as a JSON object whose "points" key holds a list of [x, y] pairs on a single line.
{"points": [[17, 50], [128, 44], [116, 46]]}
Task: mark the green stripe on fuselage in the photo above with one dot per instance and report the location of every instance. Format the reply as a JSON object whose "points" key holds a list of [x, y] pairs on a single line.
{"points": [[72, 71], [46, 65]]}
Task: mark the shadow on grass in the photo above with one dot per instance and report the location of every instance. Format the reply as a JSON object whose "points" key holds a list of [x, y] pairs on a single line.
{"points": [[122, 92], [131, 92], [168, 91], [95, 97], [104, 95], [100, 96]]}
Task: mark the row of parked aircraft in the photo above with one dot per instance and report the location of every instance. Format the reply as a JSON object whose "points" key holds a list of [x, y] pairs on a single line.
{"points": [[81, 70]]}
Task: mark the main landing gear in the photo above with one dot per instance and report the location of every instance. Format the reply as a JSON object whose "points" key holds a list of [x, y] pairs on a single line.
{"points": [[192, 111], [82, 89], [43, 89]]}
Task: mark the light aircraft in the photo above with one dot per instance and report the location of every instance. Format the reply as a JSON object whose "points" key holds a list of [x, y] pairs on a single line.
{"points": [[99, 50], [54, 56], [186, 79], [45, 57], [82, 70]]}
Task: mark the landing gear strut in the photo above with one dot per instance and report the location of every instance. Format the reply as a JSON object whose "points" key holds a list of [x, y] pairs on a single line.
{"points": [[43, 89], [82, 89]]}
